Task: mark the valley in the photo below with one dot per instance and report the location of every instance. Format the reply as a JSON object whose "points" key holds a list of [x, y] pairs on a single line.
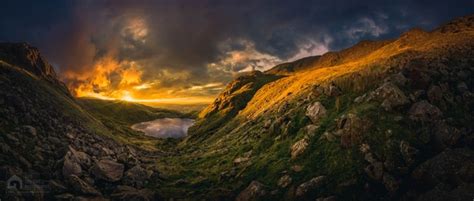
{"points": [[382, 120]]}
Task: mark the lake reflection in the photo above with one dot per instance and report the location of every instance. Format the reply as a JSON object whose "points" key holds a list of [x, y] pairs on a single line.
{"points": [[165, 128]]}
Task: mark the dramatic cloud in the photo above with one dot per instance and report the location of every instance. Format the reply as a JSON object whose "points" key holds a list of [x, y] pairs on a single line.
{"points": [[153, 50]]}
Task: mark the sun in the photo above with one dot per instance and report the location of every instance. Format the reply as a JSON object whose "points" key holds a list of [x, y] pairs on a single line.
{"points": [[127, 97]]}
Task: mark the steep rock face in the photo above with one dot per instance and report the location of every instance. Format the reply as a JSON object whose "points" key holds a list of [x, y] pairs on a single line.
{"points": [[26, 57]]}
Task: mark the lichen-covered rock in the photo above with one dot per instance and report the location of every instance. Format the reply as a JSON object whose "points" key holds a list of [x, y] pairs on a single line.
{"points": [[299, 147], [315, 112], [284, 181], [390, 95]]}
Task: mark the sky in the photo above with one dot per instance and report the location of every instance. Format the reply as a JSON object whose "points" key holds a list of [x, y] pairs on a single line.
{"points": [[186, 51]]}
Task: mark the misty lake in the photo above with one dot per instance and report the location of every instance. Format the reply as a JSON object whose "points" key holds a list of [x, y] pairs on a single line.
{"points": [[165, 127]]}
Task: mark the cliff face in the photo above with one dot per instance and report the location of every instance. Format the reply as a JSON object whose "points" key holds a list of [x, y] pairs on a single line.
{"points": [[26, 57]]}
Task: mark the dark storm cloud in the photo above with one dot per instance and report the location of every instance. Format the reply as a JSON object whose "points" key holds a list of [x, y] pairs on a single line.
{"points": [[187, 36]]}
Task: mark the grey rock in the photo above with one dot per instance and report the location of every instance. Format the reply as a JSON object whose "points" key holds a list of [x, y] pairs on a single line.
{"points": [[81, 186], [254, 191], [424, 111], [108, 170], [310, 185]]}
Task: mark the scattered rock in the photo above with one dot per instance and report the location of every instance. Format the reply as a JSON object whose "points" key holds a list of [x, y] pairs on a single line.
{"points": [[254, 191], [443, 192], [390, 183], [424, 111], [137, 176], [30, 130], [81, 186], [408, 152], [75, 161], [296, 168], [351, 129], [108, 170], [315, 112], [435, 94], [299, 147], [310, 185], [398, 79], [446, 167], [284, 181], [333, 90], [375, 170], [390, 95]]}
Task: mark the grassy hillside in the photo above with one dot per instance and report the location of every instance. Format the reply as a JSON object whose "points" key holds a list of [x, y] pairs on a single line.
{"points": [[390, 109], [127, 113]]}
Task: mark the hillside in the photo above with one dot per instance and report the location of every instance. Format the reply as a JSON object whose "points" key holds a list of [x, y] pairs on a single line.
{"points": [[58, 149], [385, 120]]}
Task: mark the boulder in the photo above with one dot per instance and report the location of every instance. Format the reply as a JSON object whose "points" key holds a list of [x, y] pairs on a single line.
{"points": [[450, 166], [74, 162], [408, 152], [390, 183], [435, 94], [443, 192], [299, 147], [284, 181], [351, 128], [424, 111], [29, 130], [315, 112], [81, 186], [390, 95], [375, 170], [137, 176], [108, 170], [254, 191], [306, 187], [398, 79], [333, 90]]}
